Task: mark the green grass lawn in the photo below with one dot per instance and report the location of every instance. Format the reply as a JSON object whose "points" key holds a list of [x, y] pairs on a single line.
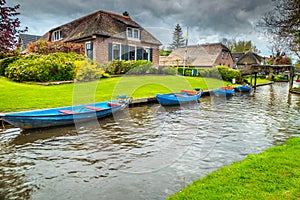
{"points": [[273, 174], [20, 96]]}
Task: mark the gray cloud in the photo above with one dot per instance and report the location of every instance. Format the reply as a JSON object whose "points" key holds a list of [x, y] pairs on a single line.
{"points": [[205, 18]]}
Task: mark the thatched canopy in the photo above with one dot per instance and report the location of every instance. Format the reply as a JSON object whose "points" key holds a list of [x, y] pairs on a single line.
{"points": [[100, 23], [196, 56]]}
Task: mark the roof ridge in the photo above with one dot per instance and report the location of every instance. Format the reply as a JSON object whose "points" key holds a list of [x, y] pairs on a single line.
{"points": [[115, 14]]}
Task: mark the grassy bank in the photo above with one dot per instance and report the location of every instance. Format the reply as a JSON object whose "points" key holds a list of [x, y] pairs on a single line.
{"points": [[20, 96], [273, 174]]}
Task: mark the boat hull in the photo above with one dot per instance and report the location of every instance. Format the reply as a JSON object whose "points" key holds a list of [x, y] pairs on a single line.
{"points": [[62, 116], [243, 88], [177, 98], [224, 92]]}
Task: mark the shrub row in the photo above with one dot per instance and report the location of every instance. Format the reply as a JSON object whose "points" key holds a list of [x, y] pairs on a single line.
{"points": [[218, 72], [70, 66], [135, 67], [43, 47]]}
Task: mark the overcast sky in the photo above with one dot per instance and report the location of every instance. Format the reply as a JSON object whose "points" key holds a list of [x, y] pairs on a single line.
{"points": [[208, 20]]}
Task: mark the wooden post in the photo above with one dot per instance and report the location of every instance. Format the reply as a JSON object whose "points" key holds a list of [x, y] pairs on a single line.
{"points": [[255, 77], [291, 77]]}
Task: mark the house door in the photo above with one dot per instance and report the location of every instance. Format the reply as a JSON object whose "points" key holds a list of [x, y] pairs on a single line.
{"points": [[89, 50]]}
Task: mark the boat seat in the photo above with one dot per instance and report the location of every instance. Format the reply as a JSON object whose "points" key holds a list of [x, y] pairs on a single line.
{"points": [[111, 104], [93, 108], [180, 95], [189, 92], [67, 112]]}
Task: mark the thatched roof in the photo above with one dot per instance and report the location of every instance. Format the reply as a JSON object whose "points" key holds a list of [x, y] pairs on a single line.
{"points": [[197, 56], [249, 58], [100, 23]]}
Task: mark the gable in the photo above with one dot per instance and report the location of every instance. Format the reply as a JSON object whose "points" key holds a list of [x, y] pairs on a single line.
{"points": [[249, 58]]}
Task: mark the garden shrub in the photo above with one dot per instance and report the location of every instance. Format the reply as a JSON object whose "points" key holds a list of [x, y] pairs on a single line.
{"points": [[123, 67], [43, 47], [5, 62], [218, 72], [88, 70], [42, 68]]}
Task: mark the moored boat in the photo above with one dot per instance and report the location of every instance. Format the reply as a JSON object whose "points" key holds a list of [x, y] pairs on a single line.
{"points": [[182, 97], [225, 91], [243, 88], [63, 115]]}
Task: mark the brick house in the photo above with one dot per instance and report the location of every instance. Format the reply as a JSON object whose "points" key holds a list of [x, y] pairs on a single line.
{"points": [[200, 56], [108, 36]]}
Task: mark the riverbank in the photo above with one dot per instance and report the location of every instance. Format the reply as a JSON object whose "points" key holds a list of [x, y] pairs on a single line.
{"points": [[272, 174], [21, 96]]}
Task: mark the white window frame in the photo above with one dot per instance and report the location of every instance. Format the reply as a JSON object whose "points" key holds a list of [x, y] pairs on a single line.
{"points": [[120, 51], [135, 51], [147, 49], [88, 43], [131, 36], [57, 35]]}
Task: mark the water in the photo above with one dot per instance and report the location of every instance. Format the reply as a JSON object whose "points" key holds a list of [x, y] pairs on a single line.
{"points": [[146, 152]]}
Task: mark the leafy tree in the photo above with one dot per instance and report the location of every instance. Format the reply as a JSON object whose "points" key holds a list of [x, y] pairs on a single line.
{"points": [[9, 28], [282, 24], [239, 46], [165, 51], [178, 39]]}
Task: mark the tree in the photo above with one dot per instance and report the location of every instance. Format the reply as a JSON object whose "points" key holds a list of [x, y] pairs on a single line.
{"points": [[9, 28], [239, 46], [178, 39], [282, 24]]}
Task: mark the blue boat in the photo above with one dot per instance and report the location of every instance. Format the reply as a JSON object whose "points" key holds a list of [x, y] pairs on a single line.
{"points": [[63, 115], [243, 88], [183, 97], [224, 91]]}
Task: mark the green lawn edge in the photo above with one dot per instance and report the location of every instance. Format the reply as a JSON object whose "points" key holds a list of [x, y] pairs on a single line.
{"points": [[272, 174], [16, 96]]}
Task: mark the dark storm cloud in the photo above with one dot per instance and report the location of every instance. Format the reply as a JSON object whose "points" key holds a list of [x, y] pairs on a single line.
{"points": [[224, 18]]}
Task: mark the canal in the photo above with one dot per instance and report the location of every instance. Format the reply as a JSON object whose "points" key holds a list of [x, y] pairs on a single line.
{"points": [[146, 152]]}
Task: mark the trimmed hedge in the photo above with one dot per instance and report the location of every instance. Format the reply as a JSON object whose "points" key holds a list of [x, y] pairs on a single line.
{"points": [[136, 67], [42, 68], [218, 72]]}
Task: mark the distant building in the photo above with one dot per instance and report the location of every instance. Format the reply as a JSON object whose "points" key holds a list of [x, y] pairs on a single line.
{"points": [[199, 56], [108, 36], [24, 39], [246, 59]]}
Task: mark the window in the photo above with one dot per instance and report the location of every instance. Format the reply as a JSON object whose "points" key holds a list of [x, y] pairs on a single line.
{"points": [[116, 51], [132, 53], [146, 54], [136, 34], [89, 50], [227, 56], [129, 32], [133, 33], [57, 35], [222, 54]]}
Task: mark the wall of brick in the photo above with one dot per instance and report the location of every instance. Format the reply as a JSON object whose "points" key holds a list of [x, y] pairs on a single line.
{"points": [[224, 61], [100, 48]]}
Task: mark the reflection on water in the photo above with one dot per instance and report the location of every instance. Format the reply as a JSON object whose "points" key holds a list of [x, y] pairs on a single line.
{"points": [[146, 152]]}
